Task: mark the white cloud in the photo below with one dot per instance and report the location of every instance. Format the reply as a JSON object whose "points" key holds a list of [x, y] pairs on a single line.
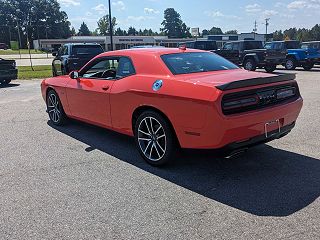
{"points": [[279, 5], [119, 5], [253, 8], [151, 11], [68, 3], [269, 13], [218, 14], [314, 4], [100, 8]]}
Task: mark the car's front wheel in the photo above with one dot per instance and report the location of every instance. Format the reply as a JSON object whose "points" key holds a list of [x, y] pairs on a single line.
{"points": [[155, 138], [270, 68], [55, 110], [250, 64], [308, 66], [290, 64]]}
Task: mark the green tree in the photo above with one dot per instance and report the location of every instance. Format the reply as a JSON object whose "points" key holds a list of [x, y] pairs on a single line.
{"points": [[231, 32], [215, 31], [205, 32], [132, 31], [120, 32], [173, 26], [315, 33], [278, 36], [84, 30], [104, 26], [35, 18], [73, 32]]}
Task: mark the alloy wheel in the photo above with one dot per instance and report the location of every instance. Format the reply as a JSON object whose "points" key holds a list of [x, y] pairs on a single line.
{"points": [[54, 109], [152, 139]]}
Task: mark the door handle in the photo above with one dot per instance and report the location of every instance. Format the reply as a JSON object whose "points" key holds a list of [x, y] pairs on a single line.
{"points": [[105, 88]]}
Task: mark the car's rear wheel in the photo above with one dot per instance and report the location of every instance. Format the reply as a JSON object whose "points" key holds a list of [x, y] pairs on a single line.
{"points": [[270, 68], [308, 66], [250, 64], [290, 64], [155, 138], [55, 110]]}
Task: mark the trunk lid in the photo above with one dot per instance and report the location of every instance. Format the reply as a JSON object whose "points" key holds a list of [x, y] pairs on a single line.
{"points": [[232, 79]]}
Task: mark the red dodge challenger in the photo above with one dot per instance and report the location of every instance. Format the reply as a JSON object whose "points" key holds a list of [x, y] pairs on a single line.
{"points": [[171, 98]]}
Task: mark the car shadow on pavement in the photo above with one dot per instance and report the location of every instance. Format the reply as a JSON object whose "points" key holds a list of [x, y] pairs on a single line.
{"points": [[266, 181], [9, 85]]}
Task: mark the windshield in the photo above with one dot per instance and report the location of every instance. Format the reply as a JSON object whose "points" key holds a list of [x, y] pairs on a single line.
{"points": [[248, 45], [87, 50], [183, 63]]}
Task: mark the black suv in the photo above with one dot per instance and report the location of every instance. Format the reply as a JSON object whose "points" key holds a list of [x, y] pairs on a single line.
{"points": [[207, 45], [252, 55], [8, 71], [73, 56]]}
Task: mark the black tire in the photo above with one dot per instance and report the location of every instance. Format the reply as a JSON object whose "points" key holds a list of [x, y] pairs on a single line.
{"points": [[290, 64], [55, 110], [250, 64], [155, 138], [270, 68], [5, 81], [308, 66]]}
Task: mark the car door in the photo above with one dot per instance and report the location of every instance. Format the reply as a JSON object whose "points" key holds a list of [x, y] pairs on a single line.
{"points": [[89, 95]]}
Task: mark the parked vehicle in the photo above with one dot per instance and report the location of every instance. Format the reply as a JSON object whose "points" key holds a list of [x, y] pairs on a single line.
{"points": [[3, 46], [169, 98], [8, 71], [207, 45], [297, 56], [252, 55], [313, 45], [73, 56]]}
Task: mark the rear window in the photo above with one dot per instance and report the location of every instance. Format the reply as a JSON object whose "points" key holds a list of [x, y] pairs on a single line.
{"points": [[87, 50], [184, 63], [292, 45], [248, 45]]}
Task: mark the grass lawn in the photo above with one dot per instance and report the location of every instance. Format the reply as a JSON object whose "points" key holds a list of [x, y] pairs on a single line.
{"points": [[39, 72], [23, 51]]}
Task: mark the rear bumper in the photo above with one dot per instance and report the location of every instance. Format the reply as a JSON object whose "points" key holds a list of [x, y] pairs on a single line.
{"points": [[10, 74], [240, 130], [275, 134]]}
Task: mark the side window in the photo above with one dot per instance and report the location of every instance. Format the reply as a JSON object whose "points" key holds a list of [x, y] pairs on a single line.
{"points": [[268, 46], [236, 46], [125, 68], [227, 46], [104, 68], [65, 50]]}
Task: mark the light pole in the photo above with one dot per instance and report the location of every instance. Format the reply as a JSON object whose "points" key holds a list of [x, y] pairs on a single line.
{"points": [[110, 26]]}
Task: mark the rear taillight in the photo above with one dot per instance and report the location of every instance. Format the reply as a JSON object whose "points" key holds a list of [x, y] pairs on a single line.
{"points": [[240, 102], [285, 93]]}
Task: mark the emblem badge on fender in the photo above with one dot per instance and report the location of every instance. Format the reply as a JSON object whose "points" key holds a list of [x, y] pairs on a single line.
{"points": [[157, 85]]}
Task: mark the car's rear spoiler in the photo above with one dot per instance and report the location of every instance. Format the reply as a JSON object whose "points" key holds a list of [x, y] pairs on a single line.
{"points": [[256, 81]]}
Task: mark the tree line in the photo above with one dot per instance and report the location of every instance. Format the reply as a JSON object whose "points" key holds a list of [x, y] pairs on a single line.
{"points": [[39, 19]]}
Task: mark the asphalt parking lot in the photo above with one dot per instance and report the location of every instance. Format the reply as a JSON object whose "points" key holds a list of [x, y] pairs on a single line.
{"points": [[84, 182]]}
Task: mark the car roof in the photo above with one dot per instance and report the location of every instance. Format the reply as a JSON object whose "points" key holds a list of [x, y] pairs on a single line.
{"points": [[83, 44], [149, 51]]}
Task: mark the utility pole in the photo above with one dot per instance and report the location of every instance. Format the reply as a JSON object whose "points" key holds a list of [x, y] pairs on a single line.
{"points": [[267, 24], [255, 29], [19, 36], [110, 26]]}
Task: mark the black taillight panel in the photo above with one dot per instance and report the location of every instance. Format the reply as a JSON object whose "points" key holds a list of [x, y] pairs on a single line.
{"points": [[259, 98]]}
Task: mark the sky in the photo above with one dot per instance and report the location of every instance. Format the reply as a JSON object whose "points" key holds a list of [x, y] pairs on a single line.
{"points": [[227, 15]]}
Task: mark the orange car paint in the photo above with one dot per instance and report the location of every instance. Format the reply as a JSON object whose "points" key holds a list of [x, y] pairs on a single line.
{"points": [[191, 102]]}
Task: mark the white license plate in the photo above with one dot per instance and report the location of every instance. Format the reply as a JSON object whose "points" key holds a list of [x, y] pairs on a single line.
{"points": [[271, 125]]}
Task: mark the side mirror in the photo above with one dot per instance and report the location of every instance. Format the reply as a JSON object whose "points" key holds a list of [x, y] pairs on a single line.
{"points": [[74, 75], [54, 54]]}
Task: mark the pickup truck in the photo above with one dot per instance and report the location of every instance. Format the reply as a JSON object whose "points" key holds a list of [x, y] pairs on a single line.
{"points": [[73, 56], [8, 71], [312, 44], [211, 45], [297, 56], [252, 55]]}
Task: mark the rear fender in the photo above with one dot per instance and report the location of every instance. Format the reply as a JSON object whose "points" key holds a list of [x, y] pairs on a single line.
{"points": [[251, 55]]}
